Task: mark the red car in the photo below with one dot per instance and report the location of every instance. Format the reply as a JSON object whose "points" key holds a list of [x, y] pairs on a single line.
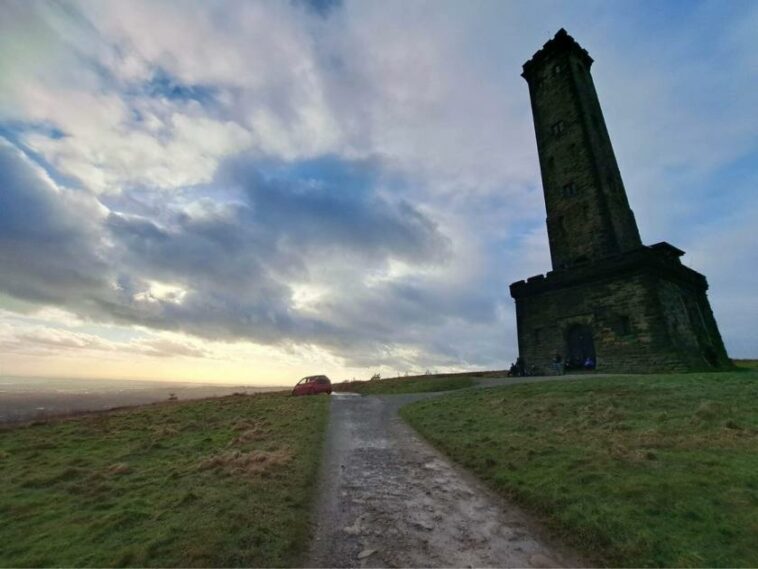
{"points": [[313, 385]]}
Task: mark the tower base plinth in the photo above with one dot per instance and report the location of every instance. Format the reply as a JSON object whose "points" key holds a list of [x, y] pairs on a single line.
{"points": [[638, 312]]}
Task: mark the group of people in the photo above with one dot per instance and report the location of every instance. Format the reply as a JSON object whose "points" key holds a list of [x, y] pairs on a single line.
{"points": [[519, 368], [573, 363]]}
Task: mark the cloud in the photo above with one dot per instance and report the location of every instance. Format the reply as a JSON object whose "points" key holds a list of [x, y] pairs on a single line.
{"points": [[29, 339], [321, 7], [317, 215], [239, 266], [50, 246]]}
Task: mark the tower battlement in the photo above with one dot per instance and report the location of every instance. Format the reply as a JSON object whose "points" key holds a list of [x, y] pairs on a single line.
{"points": [[561, 44]]}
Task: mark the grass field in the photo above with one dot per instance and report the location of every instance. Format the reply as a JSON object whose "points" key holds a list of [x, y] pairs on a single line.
{"points": [[657, 470], [215, 483], [397, 385]]}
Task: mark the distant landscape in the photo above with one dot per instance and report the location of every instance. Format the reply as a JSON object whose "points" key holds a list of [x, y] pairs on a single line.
{"points": [[31, 398]]}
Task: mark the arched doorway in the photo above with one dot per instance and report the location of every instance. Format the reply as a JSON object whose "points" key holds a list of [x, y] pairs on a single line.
{"points": [[580, 348]]}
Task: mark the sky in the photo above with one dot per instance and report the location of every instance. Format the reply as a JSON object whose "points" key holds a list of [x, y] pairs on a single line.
{"points": [[241, 191]]}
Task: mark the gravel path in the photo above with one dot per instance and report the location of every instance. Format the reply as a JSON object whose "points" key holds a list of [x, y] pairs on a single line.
{"points": [[388, 499]]}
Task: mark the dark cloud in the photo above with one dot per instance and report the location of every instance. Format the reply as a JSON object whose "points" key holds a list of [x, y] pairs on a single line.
{"points": [[330, 205], [321, 7], [163, 85], [49, 240]]}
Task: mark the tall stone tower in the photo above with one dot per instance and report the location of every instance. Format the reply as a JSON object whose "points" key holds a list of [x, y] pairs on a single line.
{"points": [[609, 299]]}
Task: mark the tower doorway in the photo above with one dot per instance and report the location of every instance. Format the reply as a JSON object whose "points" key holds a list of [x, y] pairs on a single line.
{"points": [[580, 348]]}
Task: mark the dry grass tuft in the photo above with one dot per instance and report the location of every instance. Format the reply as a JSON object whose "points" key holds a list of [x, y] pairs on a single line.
{"points": [[119, 468], [165, 432], [250, 431], [247, 463], [709, 410], [633, 455], [248, 436], [247, 424]]}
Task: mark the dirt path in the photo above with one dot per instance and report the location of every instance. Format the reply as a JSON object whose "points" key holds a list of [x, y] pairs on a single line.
{"points": [[388, 499]]}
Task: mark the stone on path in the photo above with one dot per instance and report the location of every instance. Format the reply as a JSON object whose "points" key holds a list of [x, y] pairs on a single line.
{"points": [[540, 561], [366, 553]]}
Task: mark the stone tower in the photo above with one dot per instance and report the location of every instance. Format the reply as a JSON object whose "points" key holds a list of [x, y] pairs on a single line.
{"points": [[625, 306]]}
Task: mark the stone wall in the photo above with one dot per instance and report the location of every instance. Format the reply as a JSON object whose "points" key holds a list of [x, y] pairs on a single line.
{"points": [[643, 319]]}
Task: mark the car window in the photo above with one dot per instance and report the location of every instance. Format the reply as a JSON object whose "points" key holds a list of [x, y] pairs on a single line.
{"points": [[314, 379]]}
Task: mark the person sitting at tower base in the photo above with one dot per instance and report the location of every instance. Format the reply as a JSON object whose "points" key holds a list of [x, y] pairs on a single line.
{"points": [[558, 363], [518, 369]]}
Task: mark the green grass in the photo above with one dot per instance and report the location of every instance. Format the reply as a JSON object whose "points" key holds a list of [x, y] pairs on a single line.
{"points": [[224, 482], [746, 364], [657, 470], [399, 385]]}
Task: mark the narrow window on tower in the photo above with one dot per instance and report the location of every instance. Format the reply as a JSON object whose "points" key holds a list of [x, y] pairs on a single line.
{"points": [[562, 226], [623, 326], [558, 128], [569, 190], [557, 69]]}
